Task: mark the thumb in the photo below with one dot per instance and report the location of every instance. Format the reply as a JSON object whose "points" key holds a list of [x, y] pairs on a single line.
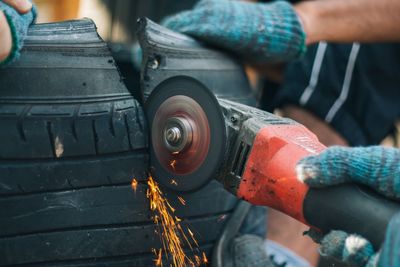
{"points": [[328, 168]]}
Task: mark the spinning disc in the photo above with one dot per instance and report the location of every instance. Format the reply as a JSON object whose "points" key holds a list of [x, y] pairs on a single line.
{"points": [[187, 134]]}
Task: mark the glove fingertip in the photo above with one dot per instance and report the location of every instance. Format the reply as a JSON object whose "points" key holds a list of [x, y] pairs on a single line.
{"points": [[357, 250], [307, 170], [333, 244], [169, 22], [179, 20]]}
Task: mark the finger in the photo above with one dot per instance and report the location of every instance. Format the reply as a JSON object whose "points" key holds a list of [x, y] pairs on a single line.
{"points": [[327, 168], [22, 6], [5, 38], [352, 249]]}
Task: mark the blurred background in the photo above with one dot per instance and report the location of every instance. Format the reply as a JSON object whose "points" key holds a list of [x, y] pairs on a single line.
{"points": [[115, 19]]}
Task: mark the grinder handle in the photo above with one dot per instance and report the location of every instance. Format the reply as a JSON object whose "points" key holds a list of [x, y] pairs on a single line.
{"points": [[351, 208], [270, 179]]}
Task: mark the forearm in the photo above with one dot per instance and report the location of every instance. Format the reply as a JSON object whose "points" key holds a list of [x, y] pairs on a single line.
{"points": [[350, 20]]}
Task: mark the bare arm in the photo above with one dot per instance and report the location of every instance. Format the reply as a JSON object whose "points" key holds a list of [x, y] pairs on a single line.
{"points": [[350, 20]]}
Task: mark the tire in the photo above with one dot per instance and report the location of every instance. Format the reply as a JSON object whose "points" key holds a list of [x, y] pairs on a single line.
{"points": [[72, 137]]}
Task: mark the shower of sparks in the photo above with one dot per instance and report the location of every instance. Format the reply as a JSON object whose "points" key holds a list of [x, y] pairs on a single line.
{"points": [[173, 182], [134, 184], [183, 202], [173, 164], [172, 234]]}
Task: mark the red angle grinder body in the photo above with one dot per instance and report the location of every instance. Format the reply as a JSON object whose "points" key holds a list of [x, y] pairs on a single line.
{"points": [[197, 136]]}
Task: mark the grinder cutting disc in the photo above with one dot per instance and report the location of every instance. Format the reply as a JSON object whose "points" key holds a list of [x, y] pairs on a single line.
{"points": [[188, 134]]}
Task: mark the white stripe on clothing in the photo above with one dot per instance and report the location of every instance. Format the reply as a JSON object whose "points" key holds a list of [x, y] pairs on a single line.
{"points": [[346, 83], [319, 56]]}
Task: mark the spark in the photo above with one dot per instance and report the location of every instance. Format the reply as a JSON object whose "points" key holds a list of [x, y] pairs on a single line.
{"points": [[173, 182], [192, 235], [175, 153], [173, 164], [134, 184], [172, 234], [158, 259], [205, 260], [183, 202], [198, 260]]}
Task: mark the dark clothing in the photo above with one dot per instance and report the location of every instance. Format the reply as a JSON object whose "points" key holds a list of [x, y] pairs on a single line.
{"points": [[355, 88]]}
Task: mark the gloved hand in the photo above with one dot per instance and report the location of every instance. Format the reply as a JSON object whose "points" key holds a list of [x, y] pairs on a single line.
{"points": [[259, 33], [15, 18], [377, 167]]}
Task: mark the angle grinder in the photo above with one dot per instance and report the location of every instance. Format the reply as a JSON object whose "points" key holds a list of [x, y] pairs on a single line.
{"points": [[197, 135]]}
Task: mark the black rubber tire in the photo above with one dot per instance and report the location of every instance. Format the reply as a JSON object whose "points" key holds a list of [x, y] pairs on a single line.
{"points": [[72, 137]]}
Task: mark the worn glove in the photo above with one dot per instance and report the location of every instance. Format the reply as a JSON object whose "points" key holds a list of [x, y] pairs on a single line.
{"points": [[377, 167], [259, 33], [19, 24], [349, 248]]}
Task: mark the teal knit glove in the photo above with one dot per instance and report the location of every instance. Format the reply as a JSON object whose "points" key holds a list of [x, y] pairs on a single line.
{"points": [[259, 33], [349, 248], [377, 167], [19, 27]]}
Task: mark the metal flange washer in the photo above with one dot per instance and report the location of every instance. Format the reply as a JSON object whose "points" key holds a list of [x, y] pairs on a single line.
{"points": [[188, 134]]}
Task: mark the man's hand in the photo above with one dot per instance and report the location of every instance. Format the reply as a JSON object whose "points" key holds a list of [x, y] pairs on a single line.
{"points": [[12, 30], [377, 167], [259, 33]]}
